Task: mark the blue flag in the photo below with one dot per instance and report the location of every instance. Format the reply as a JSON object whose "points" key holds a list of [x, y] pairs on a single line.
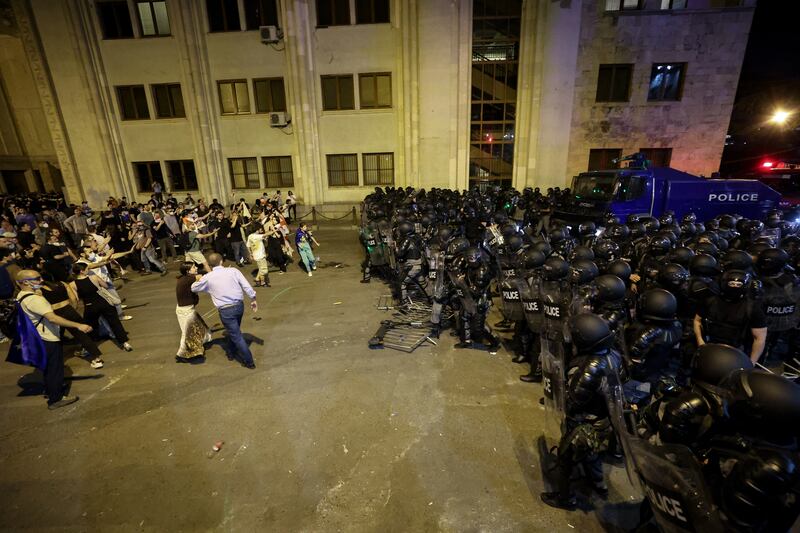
{"points": [[27, 346]]}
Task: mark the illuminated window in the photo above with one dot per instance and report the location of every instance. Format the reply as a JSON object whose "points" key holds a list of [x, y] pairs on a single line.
{"points": [[146, 173], [623, 5], [233, 97], [375, 90], [666, 81], [153, 18], [342, 170], [244, 173]]}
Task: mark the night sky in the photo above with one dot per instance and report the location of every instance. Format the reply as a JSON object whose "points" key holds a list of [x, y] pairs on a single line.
{"points": [[770, 80]]}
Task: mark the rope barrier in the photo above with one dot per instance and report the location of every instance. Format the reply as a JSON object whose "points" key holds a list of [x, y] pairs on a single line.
{"points": [[338, 218]]}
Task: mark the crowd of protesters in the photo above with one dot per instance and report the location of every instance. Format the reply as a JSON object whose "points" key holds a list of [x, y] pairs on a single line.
{"points": [[63, 265]]}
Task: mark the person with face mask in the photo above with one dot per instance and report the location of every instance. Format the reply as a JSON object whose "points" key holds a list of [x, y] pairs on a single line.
{"points": [[142, 237], [164, 236], [48, 326]]}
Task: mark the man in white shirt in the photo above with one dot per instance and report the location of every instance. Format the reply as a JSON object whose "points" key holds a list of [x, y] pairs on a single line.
{"points": [[48, 326], [255, 244]]}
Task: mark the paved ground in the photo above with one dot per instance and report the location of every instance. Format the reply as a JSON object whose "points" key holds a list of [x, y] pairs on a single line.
{"points": [[325, 435]]}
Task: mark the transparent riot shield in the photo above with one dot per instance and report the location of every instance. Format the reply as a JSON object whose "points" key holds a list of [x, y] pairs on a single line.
{"points": [[512, 299], [553, 383], [615, 402], [674, 484], [436, 273]]}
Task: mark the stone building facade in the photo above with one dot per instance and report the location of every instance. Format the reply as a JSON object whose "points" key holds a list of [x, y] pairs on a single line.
{"points": [[376, 92]]}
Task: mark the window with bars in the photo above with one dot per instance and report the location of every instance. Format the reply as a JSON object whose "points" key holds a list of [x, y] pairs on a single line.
{"points": [[602, 158], [333, 13], [666, 82], [168, 100], [342, 170], [223, 15], [233, 97], [278, 172], [269, 94], [115, 19], [146, 173], [372, 11], [375, 90], [614, 83], [378, 169], [182, 176], [260, 13], [244, 173], [132, 102], [153, 17], [337, 92], [658, 157]]}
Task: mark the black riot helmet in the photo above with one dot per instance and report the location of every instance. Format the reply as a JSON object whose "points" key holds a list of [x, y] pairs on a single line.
{"points": [[586, 229], [533, 259], [543, 247], [791, 244], [610, 288], [637, 230], [681, 255], [688, 229], [500, 218], [764, 404], [555, 269], [444, 233], [727, 222], [606, 250], [714, 362], [514, 243], [658, 305], [590, 334], [651, 225], [508, 230], [734, 284], [704, 265], [659, 246], [457, 247], [672, 275], [621, 269], [473, 255], [426, 221], [583, 271], [707, 248], [581, 252], [558, 235], [736, 260], [771, 262], [756, 248], [689, 218], [405, 228], [667, 219], [617, 232], [773, 219]]}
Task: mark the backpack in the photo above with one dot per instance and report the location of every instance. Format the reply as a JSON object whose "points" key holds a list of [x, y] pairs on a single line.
{"points": [[27, 346]]}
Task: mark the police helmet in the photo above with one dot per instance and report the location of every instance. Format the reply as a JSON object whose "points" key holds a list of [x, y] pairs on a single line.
{"points": [[621, 269], [558, 235], [458, 246], [791, 244], [714, 362], [772, 262], [667, 219], [764, 404], [651, 225], [508, 230], [586, 228], [533, 259], [756, 248], [543, 247], [617, 232], [727, 222], [681, 255], [633, 218], [581, 252], [426, 220], [659, 246], [606, 250], [706, 248], [473, 255], [658, 305], [555, 268], [736, 260], [590, 334], [500, 218], [773, 219], [637, 230], [405, 228], [689, 218], [734, 284], [582, 271], [688, 228], [672, 275], [514, 243], [611, 219], [444, 233], [610, 288], [704, 265]]}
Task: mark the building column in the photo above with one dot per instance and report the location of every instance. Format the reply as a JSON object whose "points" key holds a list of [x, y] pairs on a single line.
{"points": [[408, 83], [529, 91], [461, 55]]}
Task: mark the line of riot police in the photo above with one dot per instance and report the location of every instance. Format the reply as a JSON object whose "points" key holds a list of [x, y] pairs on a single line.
{"points": [[645, 334]]}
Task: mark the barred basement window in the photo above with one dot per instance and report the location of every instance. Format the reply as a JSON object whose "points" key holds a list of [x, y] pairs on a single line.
{"points": [[602, 158], [244, 173], [153, 18], [278, 172], [182, 176], [379, 169], [342, 170], [375, 90], [233, 97], [115, 19], [269, 94], [132, 102], [337, 92], [168, 100], [613, 83], [146, 173]]}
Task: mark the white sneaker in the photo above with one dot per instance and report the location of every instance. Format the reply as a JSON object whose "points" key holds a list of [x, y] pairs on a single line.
{"points": [[125, 317], [97, 363], [309, 274], [127, 347]]}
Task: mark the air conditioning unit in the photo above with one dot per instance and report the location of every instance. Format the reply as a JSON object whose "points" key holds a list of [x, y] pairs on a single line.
{"points": [[270, 34], [279, 119]]}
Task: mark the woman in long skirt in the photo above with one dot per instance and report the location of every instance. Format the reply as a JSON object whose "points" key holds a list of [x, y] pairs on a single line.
{"points": [[194, 331]]}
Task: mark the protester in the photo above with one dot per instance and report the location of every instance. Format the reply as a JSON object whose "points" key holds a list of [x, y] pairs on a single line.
{"points": [[303, 240], [194, 331], [94, 293], [255, 244]]}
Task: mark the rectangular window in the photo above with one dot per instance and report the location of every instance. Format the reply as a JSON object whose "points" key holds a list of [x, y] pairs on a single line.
{"points": [[146, 173], [168, 100], [613, 83], [181, 174], [259, 13], [623, 5], [223, 15], [115, 19], [378, 169], [375, 90], [602, 158], [658, 157], [132, 102], [270, 95], [372, 11], [153, 18], [233, 97], [666, 82], [333, 12], [278, 172], [337, 92], [244, 173], [342, 170], [673, 4]]}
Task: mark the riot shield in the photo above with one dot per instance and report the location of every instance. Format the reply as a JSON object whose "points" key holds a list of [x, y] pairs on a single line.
{"points": [[512, 299], [531, 305], [436, 273], [615, 402], [463, 293], [553, 382], [375, 247], [674, 484]]}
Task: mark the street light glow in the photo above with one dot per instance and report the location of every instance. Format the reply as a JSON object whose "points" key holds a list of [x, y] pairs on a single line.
{"points": [[780, 116]]}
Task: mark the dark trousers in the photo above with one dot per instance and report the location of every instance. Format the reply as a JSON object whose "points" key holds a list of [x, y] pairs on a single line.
{"points": [[95, 310], [54, 371], [231, 318], [293, 211], [84, 339]]}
